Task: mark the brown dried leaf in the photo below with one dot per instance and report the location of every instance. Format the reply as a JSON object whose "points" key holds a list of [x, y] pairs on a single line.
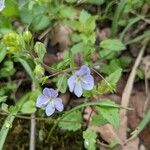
{"points": [[132, 145], [95, 56], [65, 98], [103, 34], [145, 65], [50, 59], [137, 102], [61, 37], [88, 113], [107, 133], [145, 136]]}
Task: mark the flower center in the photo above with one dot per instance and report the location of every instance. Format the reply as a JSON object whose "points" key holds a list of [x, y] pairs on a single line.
{"points": [[50, 99], [79, 78]]}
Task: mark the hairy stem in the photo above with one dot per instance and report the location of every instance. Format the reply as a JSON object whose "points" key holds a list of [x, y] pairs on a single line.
{"points": [[33, 127]]}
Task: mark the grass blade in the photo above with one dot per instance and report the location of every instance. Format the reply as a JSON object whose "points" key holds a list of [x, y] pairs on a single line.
{"points": [[9, 120]]}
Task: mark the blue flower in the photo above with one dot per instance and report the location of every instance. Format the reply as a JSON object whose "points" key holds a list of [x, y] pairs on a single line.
{"points": [[49, 101], [2, 5], [80, 80]]}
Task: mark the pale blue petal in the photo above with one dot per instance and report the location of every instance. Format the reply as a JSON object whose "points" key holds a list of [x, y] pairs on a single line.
{"points": [[84, 70], [71, 83], [42, 101], [50, 109], [58, 104], [78, 90], [50, 93], [87, 82], [2, 5]]}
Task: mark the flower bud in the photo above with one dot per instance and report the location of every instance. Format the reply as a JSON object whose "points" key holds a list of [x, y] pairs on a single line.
{"points": [[12, 50], [38, 71], [27, 36], [12, 42], [12, 39]]}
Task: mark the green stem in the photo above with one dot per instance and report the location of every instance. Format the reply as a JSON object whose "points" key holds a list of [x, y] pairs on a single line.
{"points": [[128, 26], [9, 120], [139, 38], [117, 16], [109, 5], [140, 127], [5, 128]]}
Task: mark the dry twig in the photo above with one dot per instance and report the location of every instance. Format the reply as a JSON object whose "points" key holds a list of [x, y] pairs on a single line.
{"points": [[126, 95], [32, 128]]}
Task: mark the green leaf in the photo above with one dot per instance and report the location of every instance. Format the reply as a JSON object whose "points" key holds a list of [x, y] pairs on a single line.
{"points": [[140, 73], [26, 16], [40, 50], [4, 107], [71, 122], [87, 94], [89, 139], [98, 120], [35, 16], [109, 85], [84, 16], [113, 66], [70, 1], [43, 80], [78, 48], [96, 2], [10, 9], [114, 77], [112, 45], [62, 83], [63, 64], [67, 12], [7, 69], [27, 67], [125, 61], [89, 37], [7, 88], [107, 54], [2, 52], [110, 114], [148, 2], [41, 22], [28, 107], [86, 26], [3, 99]]}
